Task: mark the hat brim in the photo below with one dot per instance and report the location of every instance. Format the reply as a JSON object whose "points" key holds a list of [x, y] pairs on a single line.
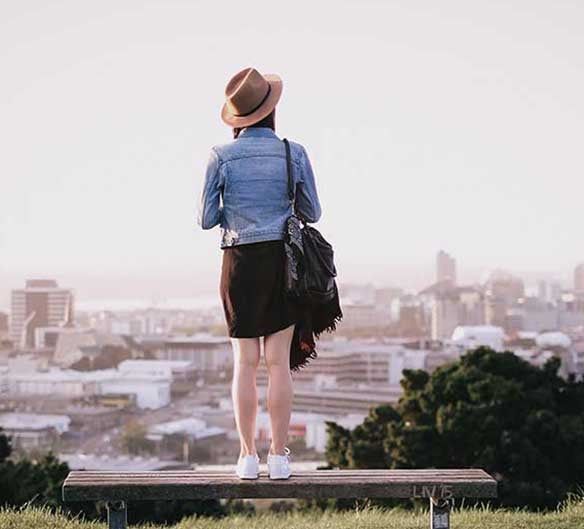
{"points": [[260, 113]]}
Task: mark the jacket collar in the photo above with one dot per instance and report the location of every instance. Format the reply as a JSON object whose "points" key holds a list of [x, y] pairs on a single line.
{"points": [[257, 132]]}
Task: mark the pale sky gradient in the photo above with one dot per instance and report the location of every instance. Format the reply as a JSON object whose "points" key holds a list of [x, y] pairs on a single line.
{"points": [[451, 124]]}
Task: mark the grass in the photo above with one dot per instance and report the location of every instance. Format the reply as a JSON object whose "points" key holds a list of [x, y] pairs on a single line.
{"points": [[570, 515]]}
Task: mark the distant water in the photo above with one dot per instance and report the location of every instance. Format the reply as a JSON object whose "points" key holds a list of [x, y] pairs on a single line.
{"points": [[119, 304]]}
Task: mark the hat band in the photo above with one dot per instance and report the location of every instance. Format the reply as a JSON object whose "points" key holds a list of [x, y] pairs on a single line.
{"points": [[258, 105]]}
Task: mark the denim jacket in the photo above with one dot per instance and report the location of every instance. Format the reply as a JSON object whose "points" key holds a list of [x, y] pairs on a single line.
{"points": [[248, 175]]}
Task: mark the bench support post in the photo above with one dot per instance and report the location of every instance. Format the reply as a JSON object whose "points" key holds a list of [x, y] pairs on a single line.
{"points": [[117, 517], [439, 513]]}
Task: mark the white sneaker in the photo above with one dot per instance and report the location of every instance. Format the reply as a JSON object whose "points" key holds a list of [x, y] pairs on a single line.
{"points": [[279, 465], [248, 467]]}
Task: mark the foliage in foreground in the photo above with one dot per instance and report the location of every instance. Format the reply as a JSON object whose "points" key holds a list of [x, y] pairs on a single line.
{"points": [[568, 515], [38, 482], [521, 423]]}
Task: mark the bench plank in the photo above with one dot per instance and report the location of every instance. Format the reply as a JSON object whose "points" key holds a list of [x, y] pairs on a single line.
{"points": [[191, 484]]}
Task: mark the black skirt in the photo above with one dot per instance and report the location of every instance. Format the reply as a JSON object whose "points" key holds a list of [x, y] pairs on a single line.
{"points": [[252, 290]]}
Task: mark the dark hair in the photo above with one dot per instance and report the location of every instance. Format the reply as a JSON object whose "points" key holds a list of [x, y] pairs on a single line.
{"points": [[269, 121]]}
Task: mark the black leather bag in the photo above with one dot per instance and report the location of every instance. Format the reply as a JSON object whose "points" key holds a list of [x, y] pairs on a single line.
{"points": [[310, 269]]}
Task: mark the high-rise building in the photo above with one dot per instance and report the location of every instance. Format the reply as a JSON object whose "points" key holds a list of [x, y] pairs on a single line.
{"points": [[411, 316], [579, 279], [505, 285], [543, 290], [445, 314], [445, 267], [453, 307], [41, 303], [3, 322], [502, 291], [556, 291], [3, 327]]}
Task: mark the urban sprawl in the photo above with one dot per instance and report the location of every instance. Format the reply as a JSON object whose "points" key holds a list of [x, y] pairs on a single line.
{"points": [[149, 389]]}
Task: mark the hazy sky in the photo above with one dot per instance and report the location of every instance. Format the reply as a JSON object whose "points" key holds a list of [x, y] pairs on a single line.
{"points": [[451, 124]]}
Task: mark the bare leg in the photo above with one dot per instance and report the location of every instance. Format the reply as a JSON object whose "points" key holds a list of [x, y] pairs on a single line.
{"points": [[280, 392], [246, 357]]}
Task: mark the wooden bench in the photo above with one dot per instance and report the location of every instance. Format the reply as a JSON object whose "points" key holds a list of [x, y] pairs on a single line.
{"points": [[440, 486]]}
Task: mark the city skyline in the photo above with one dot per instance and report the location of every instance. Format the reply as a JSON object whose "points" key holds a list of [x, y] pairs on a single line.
{"points": [[417, 142], [116, 294]]}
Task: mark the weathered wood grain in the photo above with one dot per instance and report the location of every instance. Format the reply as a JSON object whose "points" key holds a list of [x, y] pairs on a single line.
{"points": [[167, 485]]}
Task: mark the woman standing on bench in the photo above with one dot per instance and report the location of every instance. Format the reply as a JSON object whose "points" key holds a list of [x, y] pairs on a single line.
{"points": [[249, 175]]}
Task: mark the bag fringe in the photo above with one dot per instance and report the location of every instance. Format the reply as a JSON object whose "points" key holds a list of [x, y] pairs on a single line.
{"points": [[304, 362], [313, 322], [312, 354], [332, 327]]}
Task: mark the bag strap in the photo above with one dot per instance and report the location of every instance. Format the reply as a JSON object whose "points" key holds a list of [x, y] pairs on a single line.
{"points": [[291, 186]]}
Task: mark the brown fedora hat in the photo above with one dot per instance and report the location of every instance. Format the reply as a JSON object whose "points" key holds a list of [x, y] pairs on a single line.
{"points": [[250, 97]]}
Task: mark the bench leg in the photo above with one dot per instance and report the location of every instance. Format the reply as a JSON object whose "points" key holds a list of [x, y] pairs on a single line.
{"points": [[439, 513], [117, 517]]}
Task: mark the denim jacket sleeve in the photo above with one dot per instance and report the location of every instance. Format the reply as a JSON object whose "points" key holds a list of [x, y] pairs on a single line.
{"points": [[209, 212], [307, 200]]}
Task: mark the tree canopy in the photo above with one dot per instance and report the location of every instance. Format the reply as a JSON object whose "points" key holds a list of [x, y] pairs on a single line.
{"points": [[521, 423]]}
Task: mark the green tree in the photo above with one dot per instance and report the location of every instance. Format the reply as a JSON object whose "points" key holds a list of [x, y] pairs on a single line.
{"points": [[134, 438], [521, 423], [5, 447], [32, 481], [39, 482], [338, 439]]}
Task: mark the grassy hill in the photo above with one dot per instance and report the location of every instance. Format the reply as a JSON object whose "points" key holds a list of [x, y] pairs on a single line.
{"points": [[569, 516]]}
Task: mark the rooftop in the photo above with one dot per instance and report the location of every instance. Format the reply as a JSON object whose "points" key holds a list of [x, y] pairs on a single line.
{"points": [[57, 375], [105, 462], [192, 427], [149, 364], [198, 338], [34, 421]]}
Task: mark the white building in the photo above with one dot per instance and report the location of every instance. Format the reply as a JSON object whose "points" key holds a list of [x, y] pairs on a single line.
{"points": [[15, 421], [553, 339], [191, 427], [470, 337], [405, 359], [25, 363], [151, 385], [31, 430], [151, 390], [172, 369], [56, 383]]}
